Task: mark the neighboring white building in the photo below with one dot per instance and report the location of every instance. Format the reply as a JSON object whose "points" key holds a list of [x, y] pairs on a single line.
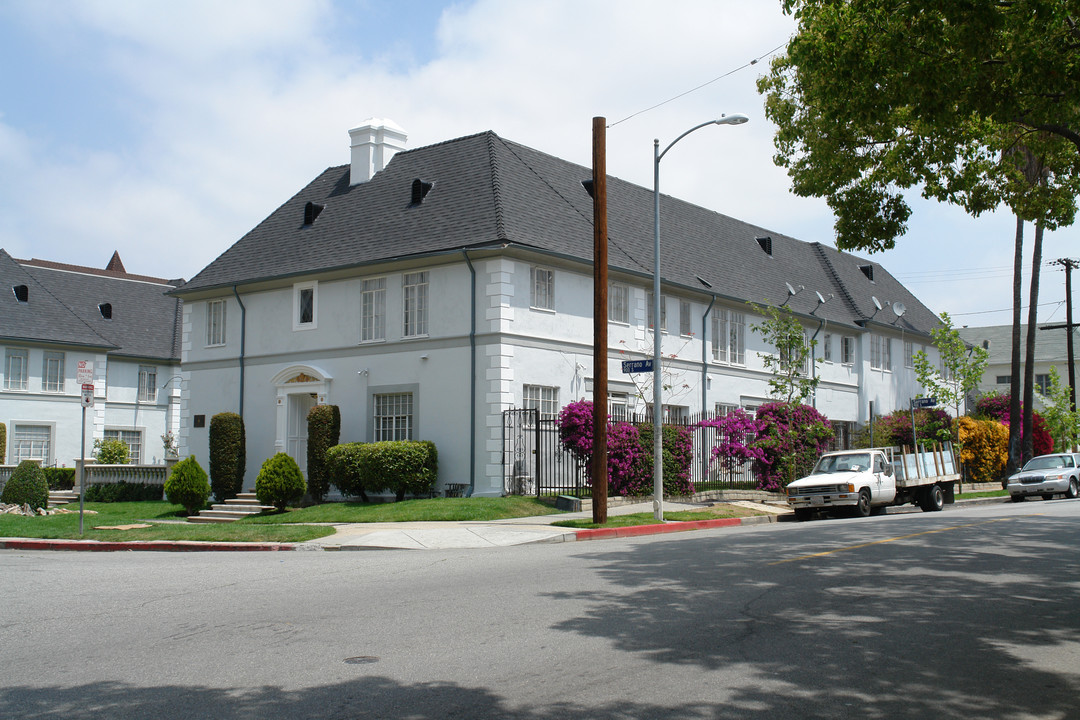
{"points": [[426, 297], [1050, 351], [121, 328]]}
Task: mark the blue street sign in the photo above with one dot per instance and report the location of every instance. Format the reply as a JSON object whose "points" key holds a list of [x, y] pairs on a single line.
{"points": [[637, 366], [924, 402]]}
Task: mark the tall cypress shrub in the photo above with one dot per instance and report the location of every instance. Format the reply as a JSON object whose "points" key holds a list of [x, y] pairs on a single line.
{"points": [[228, 455], [324, 429], [3, 442]]}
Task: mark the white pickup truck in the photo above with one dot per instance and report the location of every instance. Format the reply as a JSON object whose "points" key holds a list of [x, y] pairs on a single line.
{"points": [[864, 482]]}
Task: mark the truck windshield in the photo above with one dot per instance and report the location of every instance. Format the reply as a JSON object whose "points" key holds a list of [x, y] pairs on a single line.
{"points": [[842, 463]]}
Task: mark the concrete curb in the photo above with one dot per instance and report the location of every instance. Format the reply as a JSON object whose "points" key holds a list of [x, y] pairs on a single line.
{"points": [[153, 545], [669, 527]]}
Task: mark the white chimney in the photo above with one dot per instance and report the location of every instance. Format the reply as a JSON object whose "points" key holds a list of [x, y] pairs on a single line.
{"points": [[372, 145]]}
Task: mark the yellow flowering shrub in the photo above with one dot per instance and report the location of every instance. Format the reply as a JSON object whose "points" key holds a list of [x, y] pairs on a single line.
{"points": [[984, 448]]}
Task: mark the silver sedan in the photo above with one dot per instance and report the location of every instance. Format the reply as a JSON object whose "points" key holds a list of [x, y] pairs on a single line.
{"points": [[1047, 475]]}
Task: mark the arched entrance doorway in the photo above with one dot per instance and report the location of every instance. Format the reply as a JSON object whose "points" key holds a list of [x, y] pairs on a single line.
{"points": [[299, 388]]}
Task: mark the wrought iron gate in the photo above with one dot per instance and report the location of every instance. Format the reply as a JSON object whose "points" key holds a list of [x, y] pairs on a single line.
{"points": [[534, 461]]}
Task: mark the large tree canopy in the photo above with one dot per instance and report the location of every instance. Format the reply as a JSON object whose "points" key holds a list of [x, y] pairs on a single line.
{"points": [[976, 102]]}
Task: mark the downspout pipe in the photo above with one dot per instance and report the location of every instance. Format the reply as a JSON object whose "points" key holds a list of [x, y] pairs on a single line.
{"points": [[243, 338], [704, 386], [813, 358], [472, 374]]}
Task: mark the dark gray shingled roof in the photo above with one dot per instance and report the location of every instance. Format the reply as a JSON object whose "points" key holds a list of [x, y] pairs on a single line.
{"points": [[487, 191], [64, 304]]}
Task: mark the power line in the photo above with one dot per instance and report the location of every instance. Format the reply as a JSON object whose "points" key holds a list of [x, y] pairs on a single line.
{"points": [[987, 312], [704, 84]]}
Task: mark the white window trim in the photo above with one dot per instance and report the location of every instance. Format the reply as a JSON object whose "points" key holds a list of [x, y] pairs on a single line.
{"points": [[377, 337], [23, 353], [850, 341], [150, 394], [423, 305], [210, 305], [119, 431], [61, 359], [533, 270], [298, 288], [13, 428], [614, 288]]}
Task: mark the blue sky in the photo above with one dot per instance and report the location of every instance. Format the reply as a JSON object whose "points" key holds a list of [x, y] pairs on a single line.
{"points": [[167, 130]]}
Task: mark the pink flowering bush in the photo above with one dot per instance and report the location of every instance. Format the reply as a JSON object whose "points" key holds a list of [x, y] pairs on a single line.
{"points": [[792, 438], [630, 457], [995, 406], [735, 435], [931, 424]]}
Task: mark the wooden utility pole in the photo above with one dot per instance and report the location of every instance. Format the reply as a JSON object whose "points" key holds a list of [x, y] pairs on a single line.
{"points": [[1069, 325], [600, 313]]}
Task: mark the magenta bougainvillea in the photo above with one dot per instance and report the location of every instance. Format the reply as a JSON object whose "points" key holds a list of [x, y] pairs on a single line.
{"points": [[630, 456], [995, 406], [792, 438], [735, 435]]}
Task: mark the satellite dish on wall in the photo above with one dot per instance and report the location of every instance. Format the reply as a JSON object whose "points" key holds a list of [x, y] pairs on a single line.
{"points": [[877, 303], [899, 308]]}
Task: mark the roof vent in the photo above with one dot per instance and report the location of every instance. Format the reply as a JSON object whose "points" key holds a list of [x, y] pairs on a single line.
{"points": [[311, 211], [589, 188], [420, 189], [22, 293], [868, 271], [106, 310], [766, 243]]}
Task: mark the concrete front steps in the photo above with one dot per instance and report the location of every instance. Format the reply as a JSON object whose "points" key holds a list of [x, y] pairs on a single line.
{"points": [[241, 506], [62, 497]]}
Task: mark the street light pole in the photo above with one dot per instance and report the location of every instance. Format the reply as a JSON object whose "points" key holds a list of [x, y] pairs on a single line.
{"points": [[658, 407]]}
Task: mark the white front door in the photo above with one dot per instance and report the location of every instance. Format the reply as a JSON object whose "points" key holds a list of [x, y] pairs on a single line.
{"points": [[299, 406]]}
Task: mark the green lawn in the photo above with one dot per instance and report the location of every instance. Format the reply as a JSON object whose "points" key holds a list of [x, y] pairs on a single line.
{"points": [[66, 526], [982, 494], [712, 513], [431, 510]]}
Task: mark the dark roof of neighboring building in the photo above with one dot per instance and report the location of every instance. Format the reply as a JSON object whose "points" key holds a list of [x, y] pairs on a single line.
{"points": [[1050, 345], [65, 302], [487, 191]]}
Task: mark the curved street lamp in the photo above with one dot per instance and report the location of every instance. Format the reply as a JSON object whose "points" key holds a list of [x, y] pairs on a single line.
{"points": [[658, 408]]}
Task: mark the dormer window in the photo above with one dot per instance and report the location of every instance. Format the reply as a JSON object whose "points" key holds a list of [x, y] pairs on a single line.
{"points": [[22, 293], [106, 310]]}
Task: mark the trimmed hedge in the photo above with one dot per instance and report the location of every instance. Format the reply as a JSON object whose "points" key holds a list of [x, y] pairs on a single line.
{"points": [[324, 431], [280, 482], [26, 486], [228, 455], [3, 443], [187, 486], [124, 492], [59, 478], [403, 467]]}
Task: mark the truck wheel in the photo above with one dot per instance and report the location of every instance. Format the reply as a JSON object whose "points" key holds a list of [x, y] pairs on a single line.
{"points": [[1016, 498], [1074, 489], [862, 509], [933, 499], [803, 514]]}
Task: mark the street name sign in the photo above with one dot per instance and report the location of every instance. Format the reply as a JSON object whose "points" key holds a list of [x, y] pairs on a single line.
{"points": [[637, 366], [924, 402]]}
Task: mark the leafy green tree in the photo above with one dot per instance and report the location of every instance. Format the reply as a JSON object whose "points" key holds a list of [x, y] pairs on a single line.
{"points": [[791, 382], [961, 367], [112, 451], [1062, 421]]}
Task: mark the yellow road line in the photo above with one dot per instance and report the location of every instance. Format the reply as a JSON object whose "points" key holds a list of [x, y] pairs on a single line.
{"points": [[894, 539]]}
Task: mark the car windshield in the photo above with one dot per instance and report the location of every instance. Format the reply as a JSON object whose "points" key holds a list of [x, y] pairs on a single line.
{"points": [[842, 463], [1046, 462]]}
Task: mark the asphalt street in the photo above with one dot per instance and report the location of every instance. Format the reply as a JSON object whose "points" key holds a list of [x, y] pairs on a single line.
{"points": [[967, 613]]}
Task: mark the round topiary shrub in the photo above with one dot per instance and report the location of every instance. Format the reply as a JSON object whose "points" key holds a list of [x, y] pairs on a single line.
{"points": [[188, 486], [113, 451], [280, 482], [27, 486]]}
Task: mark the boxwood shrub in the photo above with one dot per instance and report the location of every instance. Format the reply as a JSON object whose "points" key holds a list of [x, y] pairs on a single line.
{"points": [[26, 486], [59, 478], [403, 467], [324, 430], [280, 482], [124, 492], [3, 442], [343, 470], [188, 486], [228, 455]]}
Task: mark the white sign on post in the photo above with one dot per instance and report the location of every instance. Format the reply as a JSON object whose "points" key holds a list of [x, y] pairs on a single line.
{"points": [[84, 372], [87, 395]]}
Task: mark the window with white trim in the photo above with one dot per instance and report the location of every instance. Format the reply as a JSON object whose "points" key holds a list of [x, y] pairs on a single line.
{"points": [[15, 368], [880, 353], [847, 350], [373, 309], [1042, 383], [393, 416], [619, 303], [826, 347], [133, 440], [725, 409], [215, 322], [618, 407], [543, 398], [651, 310], [147, 383], [685, 321], [305, 305], [31, 442], [543, 289], [52, 372], [719, 335], [414, 291], [909, 354], [737, 338]]}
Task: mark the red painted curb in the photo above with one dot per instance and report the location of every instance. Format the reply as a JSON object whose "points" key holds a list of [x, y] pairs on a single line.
{"points": [[154, 545], [658, 529]]}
